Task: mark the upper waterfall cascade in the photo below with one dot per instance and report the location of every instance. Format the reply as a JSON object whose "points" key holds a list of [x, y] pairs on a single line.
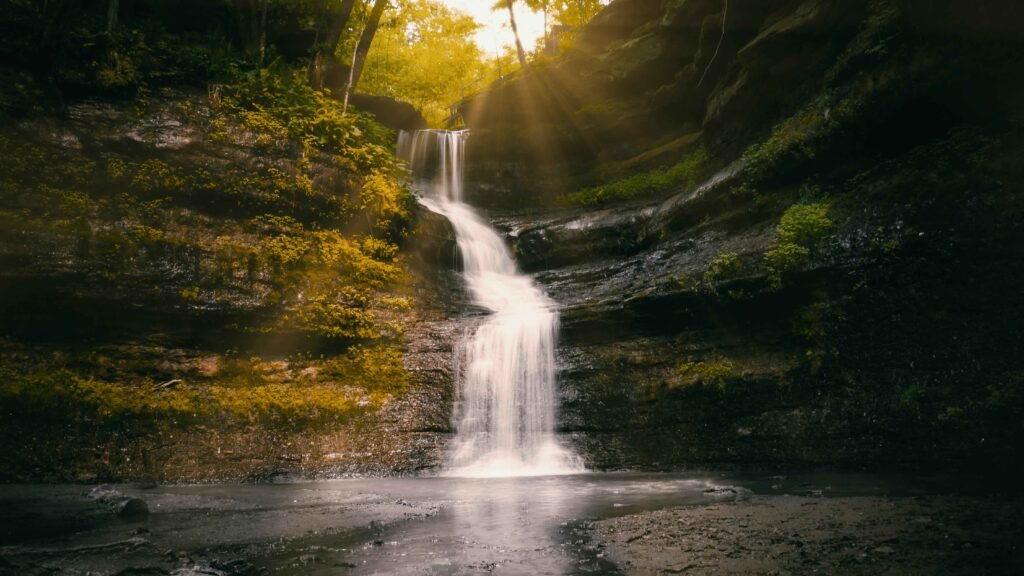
{"points": [[505, 415]]}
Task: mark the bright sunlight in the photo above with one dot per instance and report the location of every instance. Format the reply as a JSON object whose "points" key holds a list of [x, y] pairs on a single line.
{"points": [[494, 34]]}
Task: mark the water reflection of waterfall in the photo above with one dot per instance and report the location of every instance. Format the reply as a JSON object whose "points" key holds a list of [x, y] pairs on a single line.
{"points": [[505, 415], [515, 526]]}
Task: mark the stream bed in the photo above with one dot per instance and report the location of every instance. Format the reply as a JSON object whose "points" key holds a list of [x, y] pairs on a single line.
{"points": [[574, 524]]}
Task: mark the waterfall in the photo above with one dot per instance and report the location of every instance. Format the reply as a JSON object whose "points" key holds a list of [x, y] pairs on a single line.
{"points": [[505, 413]]}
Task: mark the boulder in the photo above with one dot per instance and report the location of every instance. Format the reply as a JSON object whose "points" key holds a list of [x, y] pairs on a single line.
{"points": [[390, 112]]}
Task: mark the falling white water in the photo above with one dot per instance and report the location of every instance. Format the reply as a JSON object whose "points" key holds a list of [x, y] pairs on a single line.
{"points": [[505, 416]]}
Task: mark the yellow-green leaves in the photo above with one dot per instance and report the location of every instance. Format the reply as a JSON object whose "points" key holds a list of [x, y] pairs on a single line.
{"points": [[801, 228]]}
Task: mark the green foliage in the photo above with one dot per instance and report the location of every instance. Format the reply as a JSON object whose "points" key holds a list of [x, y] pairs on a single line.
{"points": [[425, 55], [339, 315], [303, 214], [275, 103], [328, 284], [66, 395], [800, 230], [190, 293], [816, 326], [574, 13], [791, 142], [285, 249], [723, 266], [21, 94], [137, 55], [1006, 395], [155, 176], [370, 367], [797, 140], [804, 224], [714, 373], [686, 173], [786, 257], [332, 286], [385, 203]]}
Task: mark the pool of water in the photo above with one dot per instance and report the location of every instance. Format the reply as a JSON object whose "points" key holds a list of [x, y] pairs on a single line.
{"points": [[402, 526]]}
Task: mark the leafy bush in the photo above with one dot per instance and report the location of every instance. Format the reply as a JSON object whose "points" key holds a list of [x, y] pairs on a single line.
{"points": [[786, 256], [724, 265], [800, 230], [385, 203], [332, 286], [277, 102], [804, 224]]}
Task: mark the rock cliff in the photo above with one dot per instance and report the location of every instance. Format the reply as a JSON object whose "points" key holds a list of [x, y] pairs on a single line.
{"points": [[780, 232], [163, 269]]}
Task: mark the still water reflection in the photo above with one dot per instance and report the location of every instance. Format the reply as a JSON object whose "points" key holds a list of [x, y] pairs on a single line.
{"points": [[410, 526], [516, 525]]}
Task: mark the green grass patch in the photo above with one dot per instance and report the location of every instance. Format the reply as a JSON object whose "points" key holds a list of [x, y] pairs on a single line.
{"points": [[686, 173]]}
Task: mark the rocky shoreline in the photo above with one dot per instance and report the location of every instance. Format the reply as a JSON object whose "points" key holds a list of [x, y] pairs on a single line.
{"points": [[604, 524], [934, 534]]}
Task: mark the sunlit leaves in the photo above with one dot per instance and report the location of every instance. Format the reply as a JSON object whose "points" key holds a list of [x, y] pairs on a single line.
{"points": [[425, 56]]}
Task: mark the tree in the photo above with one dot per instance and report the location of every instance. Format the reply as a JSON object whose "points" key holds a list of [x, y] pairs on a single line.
{"points": [[112, 9], [571, 16], [542, 6], [575, 13], [424, 54], [507, 4], [326, 48], [363, 47], [251, 16], [365, 40]]}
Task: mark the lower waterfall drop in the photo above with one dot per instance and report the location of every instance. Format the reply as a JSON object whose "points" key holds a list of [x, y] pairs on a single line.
{"points": [[505, 414]]}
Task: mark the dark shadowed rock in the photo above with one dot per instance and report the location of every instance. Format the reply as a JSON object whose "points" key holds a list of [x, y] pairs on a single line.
{"points": [[390, 112], [132, 509], [123, 506]]}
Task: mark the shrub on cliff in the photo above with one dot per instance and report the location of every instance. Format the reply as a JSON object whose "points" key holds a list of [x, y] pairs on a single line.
{"points": [[800, 230]]}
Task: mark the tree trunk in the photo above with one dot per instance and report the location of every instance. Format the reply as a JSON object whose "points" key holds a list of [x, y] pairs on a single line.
{"points": [[263, 30], [112, 8], [350, 84], [546, 27], [325, 49], [515, 32], [248, 18], [363, 47], [337, 26]]}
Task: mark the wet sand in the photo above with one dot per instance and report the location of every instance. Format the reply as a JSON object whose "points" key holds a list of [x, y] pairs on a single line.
{"points": [[934, 535]]}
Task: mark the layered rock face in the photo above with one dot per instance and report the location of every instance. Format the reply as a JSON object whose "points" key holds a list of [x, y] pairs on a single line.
{"points": [[150, 269], [839, 287]]}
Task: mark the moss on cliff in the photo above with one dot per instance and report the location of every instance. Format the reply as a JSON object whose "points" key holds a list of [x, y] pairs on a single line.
{"points": [[646, 185], [192, 241]]}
